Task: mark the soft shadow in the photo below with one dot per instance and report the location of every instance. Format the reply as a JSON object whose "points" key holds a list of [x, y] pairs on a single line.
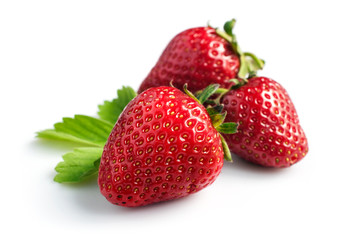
{"points": [[87, 196], [241, 167], [160, 205]]}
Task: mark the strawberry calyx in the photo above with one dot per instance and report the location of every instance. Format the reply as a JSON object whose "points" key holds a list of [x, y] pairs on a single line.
{"points": [[237, 83], [249, 62], [216, 113]]}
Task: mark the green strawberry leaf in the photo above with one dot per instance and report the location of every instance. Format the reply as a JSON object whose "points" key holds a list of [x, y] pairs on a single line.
{"points": [[60, 136], [94, 132], [228, 27], [207, 92], [213, 110], [255, 63], [217, 119], [249, 63], [227, 127], [78, 164], [190, 94], [80, 129], [110, 110], [226, 151]]}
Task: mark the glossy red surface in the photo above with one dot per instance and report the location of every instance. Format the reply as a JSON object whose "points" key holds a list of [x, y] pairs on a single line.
{"points": [[162, 147], [198, 57], [269, 130]]}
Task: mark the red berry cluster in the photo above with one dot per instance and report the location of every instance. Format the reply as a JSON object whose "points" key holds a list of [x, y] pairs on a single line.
{"points": [[167, 144]]}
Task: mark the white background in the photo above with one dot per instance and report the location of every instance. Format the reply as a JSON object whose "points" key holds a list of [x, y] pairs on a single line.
{"points": [[60, 58]]}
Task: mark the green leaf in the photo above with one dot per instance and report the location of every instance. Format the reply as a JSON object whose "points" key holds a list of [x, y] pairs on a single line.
{"points": [[83, 162], [213, 110], [228, 128], [209, 103], [190, 94], [255, 63], [228, 27], [243, 69], [80, 129], [78, 165], [217, 119], [110, 110], [54, 135], [226, 151], [207, 92]]}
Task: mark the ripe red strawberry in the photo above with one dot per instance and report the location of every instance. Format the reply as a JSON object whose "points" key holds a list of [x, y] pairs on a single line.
{"points": [[162, 147], [269, 130], [198, 57]]}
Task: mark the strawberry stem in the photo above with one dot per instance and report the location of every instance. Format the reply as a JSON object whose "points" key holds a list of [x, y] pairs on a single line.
{"points": [[249, 63], [259, 62]]}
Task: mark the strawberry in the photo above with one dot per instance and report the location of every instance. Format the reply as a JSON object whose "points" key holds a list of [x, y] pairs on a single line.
{"points": [[269, 130], [199, 57], [164, 146]]}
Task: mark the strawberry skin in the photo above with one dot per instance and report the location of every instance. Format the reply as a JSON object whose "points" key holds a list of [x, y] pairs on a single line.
{"points": [[269, 131], [162, 147], [197, 57]]}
